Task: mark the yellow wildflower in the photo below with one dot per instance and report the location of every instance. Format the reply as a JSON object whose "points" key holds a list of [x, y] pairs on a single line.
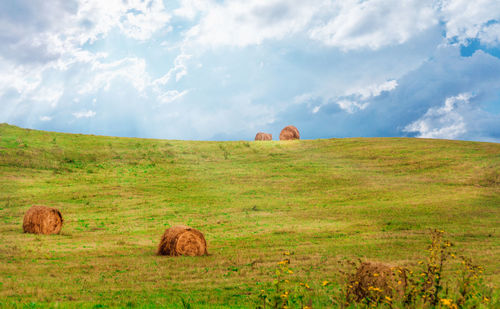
{"points": [[325, 283], [446, 301], [375, 275], [290, 271], [286, 253], [388, 298], [371, 288]]}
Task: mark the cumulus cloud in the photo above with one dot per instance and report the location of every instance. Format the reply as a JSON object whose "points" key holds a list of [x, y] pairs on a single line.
{"points": [[242, 23], [375, 23], [348, 24], [50, 31], [344, 24], [445, 121], [465, 20], [373, 90], [134, 18], [353, 100]]}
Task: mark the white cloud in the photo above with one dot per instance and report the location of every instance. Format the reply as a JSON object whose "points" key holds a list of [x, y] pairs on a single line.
{"points": [[179, 70], [18, 78], [171, 95], [353, 100], [45, 118], [375, 23], [351, 106], [42, 53], [249, 22], [135, 18], [467, 19], [316, 109], [343, 24], [443, 122], [84, 114], [132, 70], [490, 35], [189, 9], [373, 90]]}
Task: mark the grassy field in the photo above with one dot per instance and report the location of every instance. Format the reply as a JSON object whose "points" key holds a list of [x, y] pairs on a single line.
{"points": [[322, 200]]}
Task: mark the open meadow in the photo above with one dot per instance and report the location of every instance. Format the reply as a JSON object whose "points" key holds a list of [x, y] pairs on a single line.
{"points": [[322, 201]]}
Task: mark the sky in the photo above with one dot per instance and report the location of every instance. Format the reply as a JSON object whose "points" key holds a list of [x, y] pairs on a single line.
{"points": [[225, 70]]}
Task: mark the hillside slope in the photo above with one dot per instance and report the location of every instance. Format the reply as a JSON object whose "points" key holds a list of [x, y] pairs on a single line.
{"points": [[323, 200]]}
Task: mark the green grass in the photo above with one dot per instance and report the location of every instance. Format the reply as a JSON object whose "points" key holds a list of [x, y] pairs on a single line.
{"points": [[323, 200]]}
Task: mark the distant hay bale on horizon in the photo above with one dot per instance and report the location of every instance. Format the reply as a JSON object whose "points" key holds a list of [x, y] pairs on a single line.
{"points": [[42, 220], [261, 136], [182, 240], [289, 133]]}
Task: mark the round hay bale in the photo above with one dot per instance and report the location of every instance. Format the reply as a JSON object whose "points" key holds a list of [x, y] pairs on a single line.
{"points": [[371, 276], [289, 133], [263, 136], [182, 240], [42, 220]]}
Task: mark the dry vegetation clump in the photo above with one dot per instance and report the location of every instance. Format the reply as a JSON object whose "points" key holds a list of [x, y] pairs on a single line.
{"points": [[42, 220], [372, 279], [182, 240], [263, 136], [289, 133]]}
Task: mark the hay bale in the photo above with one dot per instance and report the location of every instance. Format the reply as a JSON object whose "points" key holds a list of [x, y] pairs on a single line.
{"points": [[182, 240], [372, 277], [42, 220], [289, 133], [263, 136]]}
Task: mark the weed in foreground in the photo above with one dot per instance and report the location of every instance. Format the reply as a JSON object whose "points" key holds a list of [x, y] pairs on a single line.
{"points": [[285, 292], [376, 285]]}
